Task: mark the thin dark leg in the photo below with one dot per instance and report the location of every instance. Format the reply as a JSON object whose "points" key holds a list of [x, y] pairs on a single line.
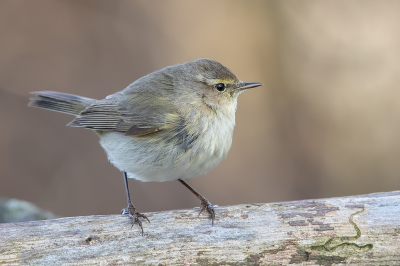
{"points": [[131, 210], [206, 205], [128, 195]]}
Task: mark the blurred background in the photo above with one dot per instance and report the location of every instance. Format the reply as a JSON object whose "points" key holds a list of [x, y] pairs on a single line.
{"points": [[325, 123]]}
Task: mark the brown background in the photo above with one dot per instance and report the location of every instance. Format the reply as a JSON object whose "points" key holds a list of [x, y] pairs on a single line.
{"points": [[325, 123]]}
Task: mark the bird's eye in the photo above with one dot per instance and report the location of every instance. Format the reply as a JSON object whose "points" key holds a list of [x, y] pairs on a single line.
{"points": [[220, 86]]}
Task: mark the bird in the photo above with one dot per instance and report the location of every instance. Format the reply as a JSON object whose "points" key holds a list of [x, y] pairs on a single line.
{"points": [[172, 124]]}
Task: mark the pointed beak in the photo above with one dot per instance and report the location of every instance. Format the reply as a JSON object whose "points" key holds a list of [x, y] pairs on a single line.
{"points": [[248, 85]]}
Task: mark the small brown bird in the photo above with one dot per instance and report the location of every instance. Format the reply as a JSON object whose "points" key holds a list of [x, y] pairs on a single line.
{"points": [[172, 124]]}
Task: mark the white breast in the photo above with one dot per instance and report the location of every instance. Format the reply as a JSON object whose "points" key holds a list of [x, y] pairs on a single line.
{"points": [[164, 161]]}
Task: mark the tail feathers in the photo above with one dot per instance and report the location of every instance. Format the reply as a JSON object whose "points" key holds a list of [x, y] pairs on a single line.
{"points": [[60, 102]]}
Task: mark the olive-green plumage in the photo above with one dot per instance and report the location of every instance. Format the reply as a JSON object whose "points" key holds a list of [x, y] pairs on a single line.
{"points": [[175, 123], [170, 124]]}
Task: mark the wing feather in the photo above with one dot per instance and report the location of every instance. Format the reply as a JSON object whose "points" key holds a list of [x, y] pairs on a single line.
{"points": [[138, 117], [111, 115]]}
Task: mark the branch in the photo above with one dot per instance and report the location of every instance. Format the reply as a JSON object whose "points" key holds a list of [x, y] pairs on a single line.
{"points": [[356, 230]]}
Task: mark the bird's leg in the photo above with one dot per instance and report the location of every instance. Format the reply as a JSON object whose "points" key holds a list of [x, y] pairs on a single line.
{"points": [[131, 210], [206, 205]]}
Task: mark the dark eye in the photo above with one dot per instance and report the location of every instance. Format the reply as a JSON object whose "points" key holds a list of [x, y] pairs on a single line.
{"points": [[220, 86]]}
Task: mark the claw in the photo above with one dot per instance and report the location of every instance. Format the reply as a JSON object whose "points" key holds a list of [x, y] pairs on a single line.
{"points": [[206, 205], [134, 215]]}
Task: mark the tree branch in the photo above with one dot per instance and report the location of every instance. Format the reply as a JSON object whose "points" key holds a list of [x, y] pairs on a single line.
{"points": [[356, 230]]}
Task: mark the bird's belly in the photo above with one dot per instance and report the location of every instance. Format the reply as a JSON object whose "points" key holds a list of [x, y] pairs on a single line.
{"points": [[164, 161]]}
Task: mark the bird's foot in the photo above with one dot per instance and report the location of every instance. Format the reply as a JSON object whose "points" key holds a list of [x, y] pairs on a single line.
{"points": [[206, 205], [134, 215]]}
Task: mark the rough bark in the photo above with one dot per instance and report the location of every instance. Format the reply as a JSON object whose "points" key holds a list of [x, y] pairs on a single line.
{"points": [[356, 230]]}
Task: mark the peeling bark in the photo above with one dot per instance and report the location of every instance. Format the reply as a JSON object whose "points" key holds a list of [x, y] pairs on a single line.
{"points": [[356, 230]]}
